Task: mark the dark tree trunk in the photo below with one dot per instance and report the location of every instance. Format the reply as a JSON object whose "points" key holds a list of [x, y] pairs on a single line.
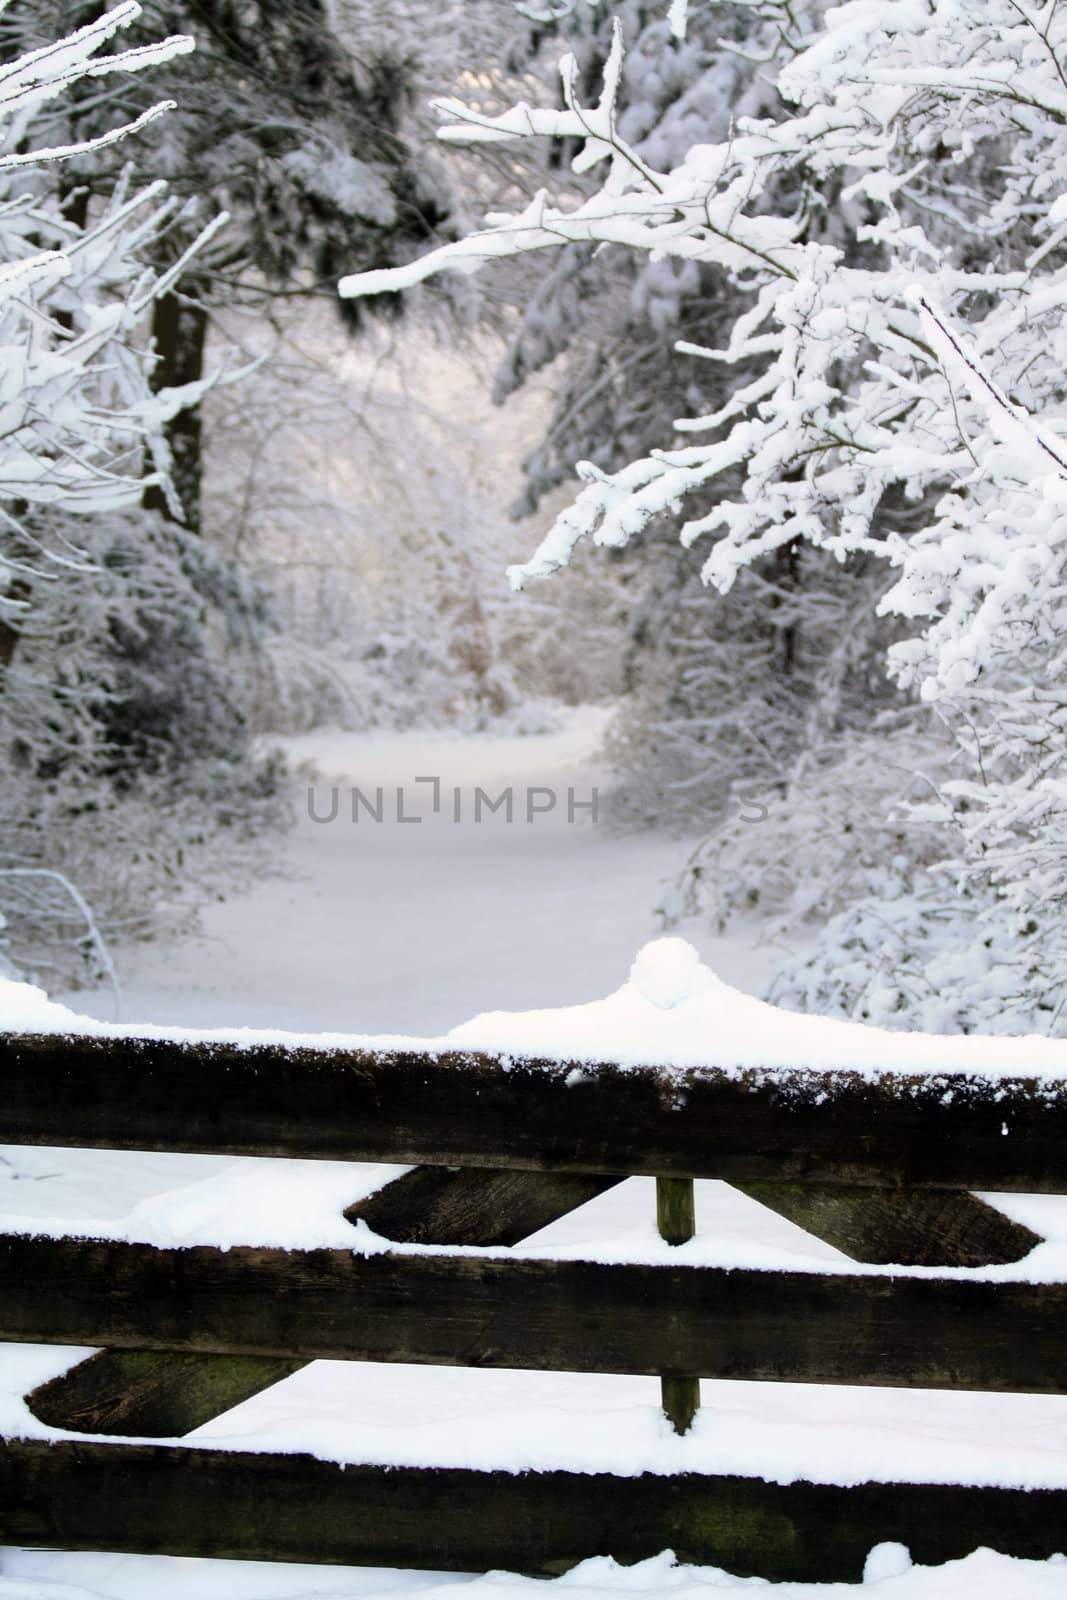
{"points": [[9, 640], [179, 328], [786, 574], [10, 632]]}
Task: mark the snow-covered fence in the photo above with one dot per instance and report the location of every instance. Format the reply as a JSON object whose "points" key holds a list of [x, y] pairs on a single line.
{"points": [[878, 1161]]}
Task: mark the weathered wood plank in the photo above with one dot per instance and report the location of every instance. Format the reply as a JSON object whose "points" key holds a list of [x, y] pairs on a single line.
{"points": [[147, 1393], [576, 1316], [779, 1125], [162, 1394], [173, 1500], [153, 1394], [900, 1227], [446, 1205]]}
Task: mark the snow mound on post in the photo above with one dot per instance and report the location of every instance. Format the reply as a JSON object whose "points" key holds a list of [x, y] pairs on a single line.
{"points": [[669, 972], [672, 1012], [675, 1012]]}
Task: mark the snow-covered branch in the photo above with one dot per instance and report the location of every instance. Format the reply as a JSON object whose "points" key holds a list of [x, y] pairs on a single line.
{"points": [[890, 237]]}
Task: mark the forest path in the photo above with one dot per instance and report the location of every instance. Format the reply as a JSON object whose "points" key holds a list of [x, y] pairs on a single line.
{"points": [[401, 926]]}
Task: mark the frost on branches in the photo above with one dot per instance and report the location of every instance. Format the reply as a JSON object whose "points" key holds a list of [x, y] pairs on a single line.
{"points": [[896, 235], [78, 412], [88, 580]]}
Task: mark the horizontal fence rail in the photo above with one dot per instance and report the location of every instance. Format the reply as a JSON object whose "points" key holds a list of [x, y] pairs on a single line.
{"points": [[563, 1316], [780, 1124], [177, 1500]]}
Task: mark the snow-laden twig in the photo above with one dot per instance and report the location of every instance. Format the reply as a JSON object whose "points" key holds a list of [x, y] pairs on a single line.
{"points": [[95, 937]]}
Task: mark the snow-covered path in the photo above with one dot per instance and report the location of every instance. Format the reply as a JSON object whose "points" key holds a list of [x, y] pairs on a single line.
{"points": [[413, 927]]}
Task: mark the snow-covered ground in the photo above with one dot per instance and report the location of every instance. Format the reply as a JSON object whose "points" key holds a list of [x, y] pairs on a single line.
{"points": [[398, 927], [395, 926]]}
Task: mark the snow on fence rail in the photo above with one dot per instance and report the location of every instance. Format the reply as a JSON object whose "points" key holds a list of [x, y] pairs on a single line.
{"points": [[833, 1125], [877, 1162]]}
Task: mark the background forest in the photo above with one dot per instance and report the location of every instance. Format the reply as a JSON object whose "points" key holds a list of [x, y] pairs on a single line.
{"points": [[236, 505]]}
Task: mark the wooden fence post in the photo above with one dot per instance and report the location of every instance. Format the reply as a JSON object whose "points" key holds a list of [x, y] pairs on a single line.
{"points": [[676, 1220]]}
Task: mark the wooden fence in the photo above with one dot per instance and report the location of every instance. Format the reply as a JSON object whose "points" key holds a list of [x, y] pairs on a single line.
{"points": [[880, 1166]]}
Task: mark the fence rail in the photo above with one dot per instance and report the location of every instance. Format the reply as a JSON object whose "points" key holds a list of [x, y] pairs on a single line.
{"points": [[775, 1124], [543, 1315], [877, 1164], [166, 1499]]}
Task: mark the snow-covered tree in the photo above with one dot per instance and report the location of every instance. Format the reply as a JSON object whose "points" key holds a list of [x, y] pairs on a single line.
{"points": [[374, 539], [355, 483], [106, 623], [719, 693], [903, 400], [276, 120]]}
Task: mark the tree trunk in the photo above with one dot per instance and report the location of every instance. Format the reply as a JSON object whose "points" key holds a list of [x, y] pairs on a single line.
{"points": [[10, 633], [179, 329]]}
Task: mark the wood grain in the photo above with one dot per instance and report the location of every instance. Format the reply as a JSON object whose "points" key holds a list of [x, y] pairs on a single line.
{"points": [[579, 1316], [174, 1500], [774, 1125], [165, 1394]]}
